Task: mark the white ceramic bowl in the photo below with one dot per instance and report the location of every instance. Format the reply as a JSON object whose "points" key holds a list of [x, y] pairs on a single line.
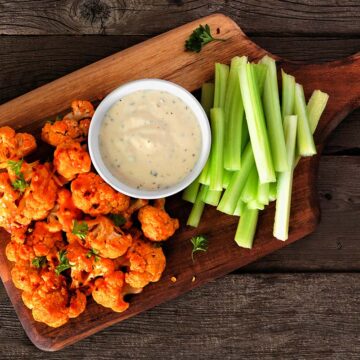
{"points": [[148, 84]]}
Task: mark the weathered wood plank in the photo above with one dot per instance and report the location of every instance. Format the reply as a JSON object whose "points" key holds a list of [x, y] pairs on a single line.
{"points": [[335, 244], [292, 316], [39, 17], [346, 137]]}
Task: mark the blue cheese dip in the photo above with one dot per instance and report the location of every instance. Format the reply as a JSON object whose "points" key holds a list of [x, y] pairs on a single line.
{"points": [[150, 139]]}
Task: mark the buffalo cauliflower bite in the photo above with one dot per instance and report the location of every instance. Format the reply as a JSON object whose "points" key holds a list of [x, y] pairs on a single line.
{"points": [[81, 109], [106, 239], [156, 223], [74, 125], [64, 213], [93, 196], [39, 196], [70, 159], [108, 292], [44, 241], [25, 277], [86, 265], [8, 199], [65, 130], [14, 146], [51, 302], [146, 263]]}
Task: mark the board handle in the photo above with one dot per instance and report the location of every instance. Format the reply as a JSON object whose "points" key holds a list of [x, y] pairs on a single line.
{"points": [[340, 79]]}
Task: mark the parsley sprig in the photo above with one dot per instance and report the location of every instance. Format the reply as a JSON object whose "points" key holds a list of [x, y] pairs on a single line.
{"points": [[64, 262], [199, 243], [93, 252], [200, 37], [80, 229], [117, 219], [20, 183], [39, 261]]}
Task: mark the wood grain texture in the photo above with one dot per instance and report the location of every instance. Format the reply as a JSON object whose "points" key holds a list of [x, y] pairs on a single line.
{"points": [[334, 246], [27, 62], [281, 316], [189, 70], [113, 17]]}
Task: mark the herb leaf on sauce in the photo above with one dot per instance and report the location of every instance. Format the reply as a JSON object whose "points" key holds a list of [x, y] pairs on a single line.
{"points": [[200, 37]]}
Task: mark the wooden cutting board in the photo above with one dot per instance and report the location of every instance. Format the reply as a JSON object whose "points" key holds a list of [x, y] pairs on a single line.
{"points": [[164, 57]]}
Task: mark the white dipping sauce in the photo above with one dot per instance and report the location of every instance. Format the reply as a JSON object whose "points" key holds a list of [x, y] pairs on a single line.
{"points": [[150, 139]]}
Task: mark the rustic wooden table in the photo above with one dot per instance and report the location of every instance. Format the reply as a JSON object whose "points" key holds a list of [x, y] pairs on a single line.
{"points": [[301, 302]]}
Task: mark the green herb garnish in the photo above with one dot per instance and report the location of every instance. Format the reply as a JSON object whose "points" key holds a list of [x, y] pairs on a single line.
{"points": [[199, 243], [93, 252], [80, 229], [20, 184], [64, 263], [15, 166], [200, 37], [39, 261], [117, 219]]}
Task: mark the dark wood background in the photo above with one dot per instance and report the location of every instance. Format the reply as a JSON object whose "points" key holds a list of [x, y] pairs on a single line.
{"points": [[300, 302]]}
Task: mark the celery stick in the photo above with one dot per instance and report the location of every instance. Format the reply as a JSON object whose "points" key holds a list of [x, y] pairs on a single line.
{"points": [[226, 178], [256, 123], [245, 137], [315, 108], [249, 191], [232, 193], [191, 191], [207, 97], [305, 140], [212, 197], [216, 161], [272, 191], [204, 177], [197, 209], [260, 76], [245, 231], [255, 204], [273, 116], [288, 94], [239, 208], [221, 77], [263, 193], [234, 113], [285, 179]]}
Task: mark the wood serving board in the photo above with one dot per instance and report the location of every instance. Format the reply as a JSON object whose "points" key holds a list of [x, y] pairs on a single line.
{"points": [[164, 57]]}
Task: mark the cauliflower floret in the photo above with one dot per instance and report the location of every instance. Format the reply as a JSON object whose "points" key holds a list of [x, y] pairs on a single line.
{"points": [[146, 263], [43, 241], [108, 292], [74, 126], [71, 159], [65, 130], [39, 196], [81, 109], [15, 146], [25, 277], [51, 303], [156, 223], [86, 265], [64, 213], [93, 196], [8, 199], [106, 239]]}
